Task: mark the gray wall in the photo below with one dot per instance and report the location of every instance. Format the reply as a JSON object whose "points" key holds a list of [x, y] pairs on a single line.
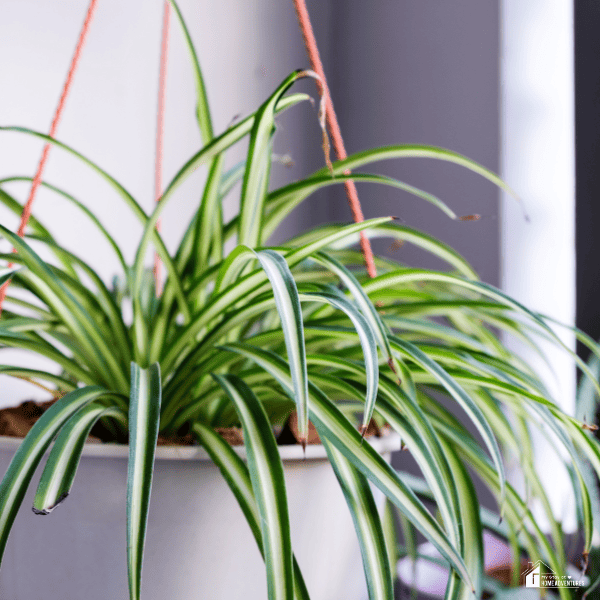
{"points": [[417, 71]]}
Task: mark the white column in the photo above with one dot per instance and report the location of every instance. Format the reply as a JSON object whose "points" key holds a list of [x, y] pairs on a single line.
{"points": [[538, 157]]}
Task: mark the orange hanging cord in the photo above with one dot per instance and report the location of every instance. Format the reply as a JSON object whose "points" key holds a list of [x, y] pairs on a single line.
{"points": [[338, 143], [160, 126], [37, 180]]}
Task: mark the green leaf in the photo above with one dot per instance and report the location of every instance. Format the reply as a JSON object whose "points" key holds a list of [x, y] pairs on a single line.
{"points": [[470, 524], [398, 232], [6, 274], [266, 473], [415, 151], [473, 411], [30, 452], [367, 524], [202, 108], [130, 201], [85, 330], [288, 307], [416, 432], [390, 280], [237, 477], [282, 201], [335, 427], [38, 228], [33, 374], [258, 164], [516, 509], [205, 230], [208, 233], [246, 288], [40, 346], [61, 466], [368, 344], [103, 299], [144, 413]]}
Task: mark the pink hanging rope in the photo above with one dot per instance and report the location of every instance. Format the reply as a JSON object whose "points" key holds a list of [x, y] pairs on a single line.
{"points": [[37, 180], [160, 123], [338, 143]]}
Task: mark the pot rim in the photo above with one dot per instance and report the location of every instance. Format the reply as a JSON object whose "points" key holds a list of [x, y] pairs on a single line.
{"points": [[387, 443]]}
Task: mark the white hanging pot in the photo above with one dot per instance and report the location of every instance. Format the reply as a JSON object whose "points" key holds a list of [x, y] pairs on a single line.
{"points": [[198, 544]]}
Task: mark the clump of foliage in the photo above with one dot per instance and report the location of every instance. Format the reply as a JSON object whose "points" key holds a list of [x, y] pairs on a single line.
{"points": [[250, 336]]}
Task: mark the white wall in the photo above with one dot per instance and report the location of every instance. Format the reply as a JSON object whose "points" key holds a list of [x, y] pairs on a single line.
{"points": [[111, 111], [538, 156]]}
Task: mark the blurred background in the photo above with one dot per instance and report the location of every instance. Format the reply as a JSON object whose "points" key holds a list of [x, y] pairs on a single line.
{"points": [[492, 80]]}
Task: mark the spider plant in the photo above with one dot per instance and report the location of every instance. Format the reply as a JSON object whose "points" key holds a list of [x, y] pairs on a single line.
{"points": [[250, 336]]}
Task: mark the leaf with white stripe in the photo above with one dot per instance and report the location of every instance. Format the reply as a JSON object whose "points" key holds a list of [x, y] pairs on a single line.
{"points": [[144, 415], [458, 393], [258, 163], [290, 313], [470, 524], [266, 473], [367, 524], [30, 452], [334, 426], [61, 466], [368, 344], [236, 475]]}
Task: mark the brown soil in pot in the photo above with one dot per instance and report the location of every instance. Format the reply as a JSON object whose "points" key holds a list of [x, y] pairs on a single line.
{"points": [[290, 433], [16, 421]]}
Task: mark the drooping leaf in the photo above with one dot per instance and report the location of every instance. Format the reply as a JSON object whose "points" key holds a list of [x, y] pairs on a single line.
{"points": [[59, 473], [144, 414], [266, 473], [30, 452], [366, 523], [237, 477]]}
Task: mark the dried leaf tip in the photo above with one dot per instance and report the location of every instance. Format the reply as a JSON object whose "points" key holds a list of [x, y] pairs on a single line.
{"points": [[47, 511], [362, 430], [322, 112], [393, 367], [474, 217], [586, 562], [589, 426]]}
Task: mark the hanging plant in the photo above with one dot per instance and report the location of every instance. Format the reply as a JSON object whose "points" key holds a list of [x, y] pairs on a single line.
{"points": [[255, 336]]}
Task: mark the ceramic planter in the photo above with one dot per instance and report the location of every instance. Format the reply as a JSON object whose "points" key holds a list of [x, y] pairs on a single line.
{"points": [[198, 543]]}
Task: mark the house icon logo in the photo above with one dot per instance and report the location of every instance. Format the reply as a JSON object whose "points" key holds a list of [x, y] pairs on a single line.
{"points": [[532, 577], [540, 575]]}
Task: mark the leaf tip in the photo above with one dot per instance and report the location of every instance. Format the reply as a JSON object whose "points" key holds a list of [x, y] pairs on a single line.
{"points": [[362, 430], [585, 555], [49, 509]]}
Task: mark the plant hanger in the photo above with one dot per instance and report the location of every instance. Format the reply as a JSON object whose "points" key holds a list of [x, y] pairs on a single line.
{"points": [[37, 179]]}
